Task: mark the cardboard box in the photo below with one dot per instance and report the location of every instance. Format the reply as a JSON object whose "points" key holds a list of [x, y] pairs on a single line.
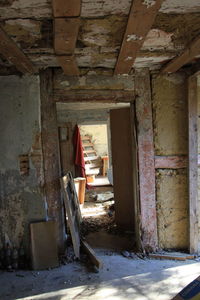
{"points": [[190, 292]]}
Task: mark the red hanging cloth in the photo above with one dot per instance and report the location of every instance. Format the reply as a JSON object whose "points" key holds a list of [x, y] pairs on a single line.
{"points": [[79, 155]]}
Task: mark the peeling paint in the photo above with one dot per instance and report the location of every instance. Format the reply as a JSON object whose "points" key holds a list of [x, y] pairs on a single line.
{"points": [[128, 58], [133, 37], [149, 3]]}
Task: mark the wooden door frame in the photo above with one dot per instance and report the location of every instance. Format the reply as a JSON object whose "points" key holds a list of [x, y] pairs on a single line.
{"points": [[193, 164]]}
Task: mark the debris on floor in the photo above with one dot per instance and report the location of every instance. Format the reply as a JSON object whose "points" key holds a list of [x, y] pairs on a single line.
{"points": [[103, 197]]}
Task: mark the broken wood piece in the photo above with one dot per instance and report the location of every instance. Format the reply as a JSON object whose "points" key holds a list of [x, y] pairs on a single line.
{"points": [[88, 250], [172, 256]]}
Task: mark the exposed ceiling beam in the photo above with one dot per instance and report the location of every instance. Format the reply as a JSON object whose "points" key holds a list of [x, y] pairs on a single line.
{"points": [[106, 96], [140, 21], [66, 27], [188, 55], [68, 64], [66, 8], [10, 50], [65, 35]]}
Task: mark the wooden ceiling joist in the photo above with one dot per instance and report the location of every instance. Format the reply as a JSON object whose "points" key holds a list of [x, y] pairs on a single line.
{"points": [[66, 27], [187, 56], [66, 8], [10, 50], [140, 21], [69, 65], [65, 32]]}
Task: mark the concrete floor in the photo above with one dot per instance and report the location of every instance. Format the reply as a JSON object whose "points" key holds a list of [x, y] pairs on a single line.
{"points": [[121, 278]]}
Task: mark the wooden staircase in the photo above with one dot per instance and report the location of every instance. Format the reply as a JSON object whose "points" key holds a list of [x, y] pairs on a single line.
{"points": [[92, 160]]}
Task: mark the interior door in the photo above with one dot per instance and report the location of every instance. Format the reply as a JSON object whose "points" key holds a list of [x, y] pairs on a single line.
{"points": [[124, 156]]}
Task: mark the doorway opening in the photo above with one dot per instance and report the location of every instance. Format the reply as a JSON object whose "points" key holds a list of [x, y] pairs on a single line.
{"points": [[105, 130]]}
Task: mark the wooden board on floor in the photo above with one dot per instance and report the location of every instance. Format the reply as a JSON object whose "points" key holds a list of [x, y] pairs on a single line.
{"points": [[44, 250], [172, 256], [90, 252]]}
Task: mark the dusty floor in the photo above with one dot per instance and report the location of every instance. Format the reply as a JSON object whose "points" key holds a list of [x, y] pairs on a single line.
{"points": [[120, 278]]}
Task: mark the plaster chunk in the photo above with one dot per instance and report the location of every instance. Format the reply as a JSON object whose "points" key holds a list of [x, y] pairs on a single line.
{"points": [[158, 39], [149, 3], [133, 37], [128, 58]]}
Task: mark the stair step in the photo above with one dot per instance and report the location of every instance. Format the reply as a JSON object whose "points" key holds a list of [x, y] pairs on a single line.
{"points": [[86, 158], [85, 138], [95, 171], [88, 145], [89, 151]]}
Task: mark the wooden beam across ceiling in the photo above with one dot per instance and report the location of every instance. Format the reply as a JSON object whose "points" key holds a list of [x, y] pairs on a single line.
{"points": [[10, 50], [188, 55], [104, 96], [140, 21], [68, 64], [65, 35], [66, 8], [66, 28]]}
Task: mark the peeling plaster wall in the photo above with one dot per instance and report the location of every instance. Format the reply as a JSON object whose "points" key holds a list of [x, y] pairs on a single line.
{"points": [[170, 138], [21, 198]]}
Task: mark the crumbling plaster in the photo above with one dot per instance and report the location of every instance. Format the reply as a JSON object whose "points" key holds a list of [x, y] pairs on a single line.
{"points": [[169, 95], [22, 199]]}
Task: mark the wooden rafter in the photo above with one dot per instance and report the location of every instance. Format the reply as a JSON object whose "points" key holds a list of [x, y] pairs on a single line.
{"points": [[10, 50], [66, 8], [140, 21], [66, 32], [66, 27], [68, 64], [188, 54]]}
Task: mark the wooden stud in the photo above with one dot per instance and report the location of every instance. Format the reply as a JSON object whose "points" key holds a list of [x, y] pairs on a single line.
{"points": [[51, 154], [140, 21], [66, 8], [65, 35], [188, 54], [193, 164], [10, 50], [146, 160], [69, 65]]}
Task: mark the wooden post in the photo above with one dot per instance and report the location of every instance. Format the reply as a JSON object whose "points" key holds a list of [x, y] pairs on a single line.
{"points": [[51, 154], [193, 164], [146, 160]]}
